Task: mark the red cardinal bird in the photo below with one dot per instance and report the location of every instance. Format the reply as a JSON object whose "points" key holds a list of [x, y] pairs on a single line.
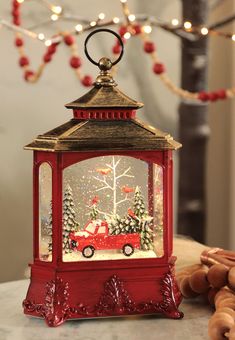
{"points": [[95, 200], [127, 189], [131, 213], [103, 171]]}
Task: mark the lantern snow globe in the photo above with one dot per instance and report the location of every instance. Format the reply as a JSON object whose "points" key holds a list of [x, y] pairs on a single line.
{"points": [[102, 212]]}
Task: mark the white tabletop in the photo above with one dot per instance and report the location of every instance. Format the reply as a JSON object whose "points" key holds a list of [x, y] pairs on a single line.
{"points": [[14, 325]]}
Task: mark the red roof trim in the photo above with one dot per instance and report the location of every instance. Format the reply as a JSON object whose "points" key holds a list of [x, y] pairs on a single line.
{"points": [[103, 114]]}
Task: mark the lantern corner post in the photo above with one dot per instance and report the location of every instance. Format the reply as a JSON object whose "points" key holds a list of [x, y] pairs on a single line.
{"points": [[57, 193], [35, 206]]}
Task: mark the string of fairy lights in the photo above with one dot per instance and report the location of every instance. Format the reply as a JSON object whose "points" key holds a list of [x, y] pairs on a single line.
{"points": [[129, 25]]}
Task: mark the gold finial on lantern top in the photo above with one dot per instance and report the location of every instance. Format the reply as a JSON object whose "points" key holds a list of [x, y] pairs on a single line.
{"points": [[105, 64], [105, 78]]}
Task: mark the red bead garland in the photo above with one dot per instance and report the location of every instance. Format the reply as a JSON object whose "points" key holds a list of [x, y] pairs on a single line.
{"points": [[212, 96], [69, 40], [137, 29], [23, 61], [116, 49], [203, 96], [28, 74], [49, 53], [47, 58], [87, 81], [16, 13], [52, 49], [122, 30], [75, 62], [149, 47], [158, 68], [19, 42], [222, 94]]}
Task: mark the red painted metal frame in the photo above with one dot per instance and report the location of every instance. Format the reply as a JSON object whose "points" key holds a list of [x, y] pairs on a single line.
{"points": [[78, 277]]}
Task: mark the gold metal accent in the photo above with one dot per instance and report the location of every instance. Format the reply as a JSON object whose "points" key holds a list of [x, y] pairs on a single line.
{"points": [[105, 78], [92, 135], [105, 64], [103, 96]]}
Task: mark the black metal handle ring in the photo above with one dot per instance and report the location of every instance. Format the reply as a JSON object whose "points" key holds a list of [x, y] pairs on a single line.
{"points": [[104, 30]]}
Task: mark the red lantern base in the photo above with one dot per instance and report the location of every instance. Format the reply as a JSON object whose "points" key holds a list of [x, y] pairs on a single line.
{"points": [[58, 295]]}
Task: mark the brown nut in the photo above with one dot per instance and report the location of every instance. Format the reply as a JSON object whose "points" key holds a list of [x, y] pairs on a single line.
{"points": [[185, 288], [222, 294], [231, 334], [228, 302], [211, 296], [180, 277], [231, 278], [218, 275], [219, 324], [226, 310], [198, 281]]}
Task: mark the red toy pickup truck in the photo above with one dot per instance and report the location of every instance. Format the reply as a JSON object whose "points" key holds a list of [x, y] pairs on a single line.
{"points": [[95, 236]]}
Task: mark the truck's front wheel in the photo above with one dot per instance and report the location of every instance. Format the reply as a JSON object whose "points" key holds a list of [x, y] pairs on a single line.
{"points": [[88, 252], [128, 250]]}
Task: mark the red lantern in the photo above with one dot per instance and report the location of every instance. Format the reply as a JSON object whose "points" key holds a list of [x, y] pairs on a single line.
{"points": [[102, 212]]}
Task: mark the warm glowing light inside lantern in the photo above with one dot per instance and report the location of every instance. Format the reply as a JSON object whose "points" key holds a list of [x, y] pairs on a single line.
{"points": [[175, 22], [147, 29], [204, 31], [123, 1], [187, 25], [93, 23], [79, 28], [233, 37], [131, 17], [20, 1]]}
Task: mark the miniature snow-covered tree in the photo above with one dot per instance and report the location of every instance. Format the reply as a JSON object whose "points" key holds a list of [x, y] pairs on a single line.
{"points": [[145, 221], [146, 233], [139, 206], [69, 221], [137, 221], [116, 225], [94, 210]]}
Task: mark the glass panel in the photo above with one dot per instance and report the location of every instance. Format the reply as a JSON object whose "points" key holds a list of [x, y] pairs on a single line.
{"points": [[158, 209], [45, 212], [106, 212]]}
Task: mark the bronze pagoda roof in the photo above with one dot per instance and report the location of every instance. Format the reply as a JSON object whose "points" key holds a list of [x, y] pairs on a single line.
{"points": [[104, 97], [104, 135]]}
